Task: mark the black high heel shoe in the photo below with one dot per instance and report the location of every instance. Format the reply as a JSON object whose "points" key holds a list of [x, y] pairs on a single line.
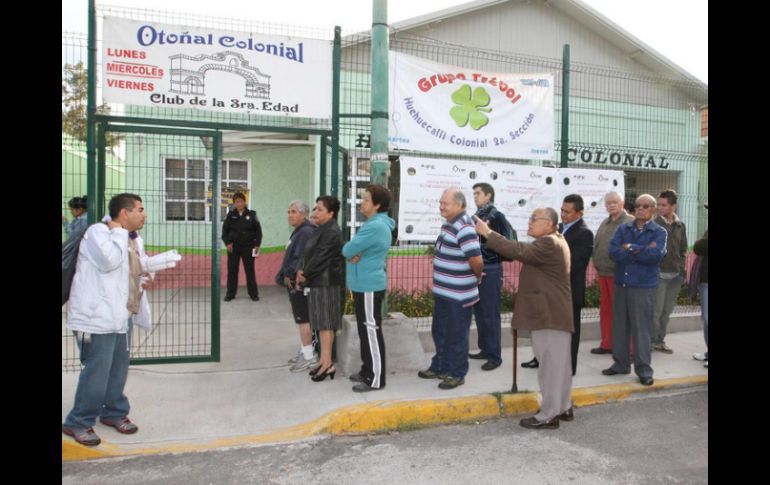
{"points": [[319, 376], [314, 371]]}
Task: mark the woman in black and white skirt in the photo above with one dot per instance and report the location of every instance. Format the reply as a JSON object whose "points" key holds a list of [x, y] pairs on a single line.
{"points": [[323, 274]]}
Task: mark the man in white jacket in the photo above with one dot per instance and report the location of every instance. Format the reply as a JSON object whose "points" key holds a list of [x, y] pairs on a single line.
{"points": [[101, 301]]}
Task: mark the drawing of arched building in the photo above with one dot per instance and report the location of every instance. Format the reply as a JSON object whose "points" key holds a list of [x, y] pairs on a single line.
{"points": [[188, 73]]}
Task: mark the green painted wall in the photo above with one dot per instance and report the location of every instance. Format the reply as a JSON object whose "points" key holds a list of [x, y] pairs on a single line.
{"points": [[278, 175]]}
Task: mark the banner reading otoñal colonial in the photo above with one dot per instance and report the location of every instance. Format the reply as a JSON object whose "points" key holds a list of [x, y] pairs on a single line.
{"points": [[175, 66], [449, 109]]}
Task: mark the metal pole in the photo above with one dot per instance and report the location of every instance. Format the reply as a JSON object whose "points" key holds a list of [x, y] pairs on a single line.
{"points": [[101, 169], [216, 270], [95, 212], [379, 138], [336, 55], [565, 106], [322, 175], [515, 387]]}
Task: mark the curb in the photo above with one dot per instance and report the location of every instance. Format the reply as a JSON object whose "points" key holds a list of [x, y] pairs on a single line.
{"points": [[383, 416]]}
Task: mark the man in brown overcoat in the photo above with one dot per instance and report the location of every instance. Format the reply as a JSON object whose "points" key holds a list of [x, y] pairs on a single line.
{"points": [[544, 306]]}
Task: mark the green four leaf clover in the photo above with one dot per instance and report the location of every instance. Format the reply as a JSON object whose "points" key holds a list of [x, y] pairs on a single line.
{"points": [[470, 107]]}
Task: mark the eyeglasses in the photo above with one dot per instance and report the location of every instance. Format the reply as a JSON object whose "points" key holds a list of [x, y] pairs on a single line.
{"points": [[642, 206], [533, 219]]}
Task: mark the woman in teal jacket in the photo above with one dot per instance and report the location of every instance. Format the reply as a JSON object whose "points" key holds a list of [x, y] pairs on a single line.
{"points": [[366, 256]]}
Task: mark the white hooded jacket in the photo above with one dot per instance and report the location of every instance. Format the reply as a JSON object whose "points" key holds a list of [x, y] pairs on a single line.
{"points": [[99, 294]]}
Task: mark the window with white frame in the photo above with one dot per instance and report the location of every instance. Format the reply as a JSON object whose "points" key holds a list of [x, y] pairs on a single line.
{"points": [[187, 184]]}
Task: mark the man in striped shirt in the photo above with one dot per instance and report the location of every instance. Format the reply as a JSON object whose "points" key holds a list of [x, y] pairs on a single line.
{"points": [[457, 272]]}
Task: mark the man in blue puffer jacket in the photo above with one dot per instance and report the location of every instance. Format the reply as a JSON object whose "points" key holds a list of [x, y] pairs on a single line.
{"points": [[637, 249], [366, 254]]}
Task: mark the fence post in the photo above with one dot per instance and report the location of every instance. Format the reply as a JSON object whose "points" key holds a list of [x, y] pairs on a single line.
{"points": [[565, 106], [216, 270], [91, 180], [336, 56], [101, 171], [379, 137]]}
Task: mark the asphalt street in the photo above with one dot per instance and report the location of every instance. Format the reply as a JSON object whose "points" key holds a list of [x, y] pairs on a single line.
{"points": [[660, 438]]}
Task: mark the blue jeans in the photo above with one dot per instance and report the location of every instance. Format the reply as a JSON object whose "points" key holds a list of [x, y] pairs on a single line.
{"points": [[102, 380], [450, 327], [704, 307], [487, 312]]}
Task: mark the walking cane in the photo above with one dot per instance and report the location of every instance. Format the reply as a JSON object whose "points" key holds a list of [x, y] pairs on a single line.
{"points": [[515, 388]]}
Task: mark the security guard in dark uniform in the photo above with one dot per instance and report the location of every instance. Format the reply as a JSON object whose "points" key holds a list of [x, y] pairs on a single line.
{"points": [[242, 234]]}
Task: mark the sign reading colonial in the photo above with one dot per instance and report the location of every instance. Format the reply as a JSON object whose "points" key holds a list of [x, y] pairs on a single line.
{"points": [[448, 109], [175, 66], [519, 189]]}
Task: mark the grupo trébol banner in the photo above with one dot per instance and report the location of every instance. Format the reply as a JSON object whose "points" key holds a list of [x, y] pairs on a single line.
{"points": [[448, 109]]}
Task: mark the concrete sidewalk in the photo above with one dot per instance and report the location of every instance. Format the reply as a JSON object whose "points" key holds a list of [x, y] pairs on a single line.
{"points": [[251, 397]]}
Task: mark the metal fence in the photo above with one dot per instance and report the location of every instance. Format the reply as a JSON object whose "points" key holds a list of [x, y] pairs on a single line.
{"points": [[614, 115], [172, 170], [654, 119]]}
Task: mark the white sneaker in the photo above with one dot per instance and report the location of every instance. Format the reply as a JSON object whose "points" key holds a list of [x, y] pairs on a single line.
{"points": [[303, 363], [294, 359], [699, 356]]}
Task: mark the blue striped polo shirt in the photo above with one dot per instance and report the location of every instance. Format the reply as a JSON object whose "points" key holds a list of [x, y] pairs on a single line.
{"points": [[453, 277]]}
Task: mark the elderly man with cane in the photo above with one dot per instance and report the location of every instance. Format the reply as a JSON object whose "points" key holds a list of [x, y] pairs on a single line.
{"points": [[543, 306]]}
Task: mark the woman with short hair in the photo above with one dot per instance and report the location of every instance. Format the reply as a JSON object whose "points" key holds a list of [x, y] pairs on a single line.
{"points": [[323, 276]]}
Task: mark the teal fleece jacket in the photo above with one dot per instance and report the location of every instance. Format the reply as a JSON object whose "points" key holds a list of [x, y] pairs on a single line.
{"points": [[372, 241]]}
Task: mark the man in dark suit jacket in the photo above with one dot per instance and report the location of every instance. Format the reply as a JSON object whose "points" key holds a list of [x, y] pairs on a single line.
{"points": [[580, 240], [543, 307]]}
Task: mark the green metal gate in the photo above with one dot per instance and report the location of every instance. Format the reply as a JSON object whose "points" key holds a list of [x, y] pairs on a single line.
{"points": [[174, 161], [176, 172]]}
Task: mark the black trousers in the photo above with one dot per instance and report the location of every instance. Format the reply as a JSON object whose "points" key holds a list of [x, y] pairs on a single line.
{"points": [[575, 336], [369, 319], [241, 253]]}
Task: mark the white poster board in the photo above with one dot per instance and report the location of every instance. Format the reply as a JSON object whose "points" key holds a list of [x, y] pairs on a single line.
{"points": [[519, 189], [592, 185]]}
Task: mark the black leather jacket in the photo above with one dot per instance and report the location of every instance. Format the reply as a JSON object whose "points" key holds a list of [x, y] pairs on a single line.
{"points": [[322, 262]]}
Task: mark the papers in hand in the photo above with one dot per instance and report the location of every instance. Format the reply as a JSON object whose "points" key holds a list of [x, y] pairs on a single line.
{"points": [[162, 261]]}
